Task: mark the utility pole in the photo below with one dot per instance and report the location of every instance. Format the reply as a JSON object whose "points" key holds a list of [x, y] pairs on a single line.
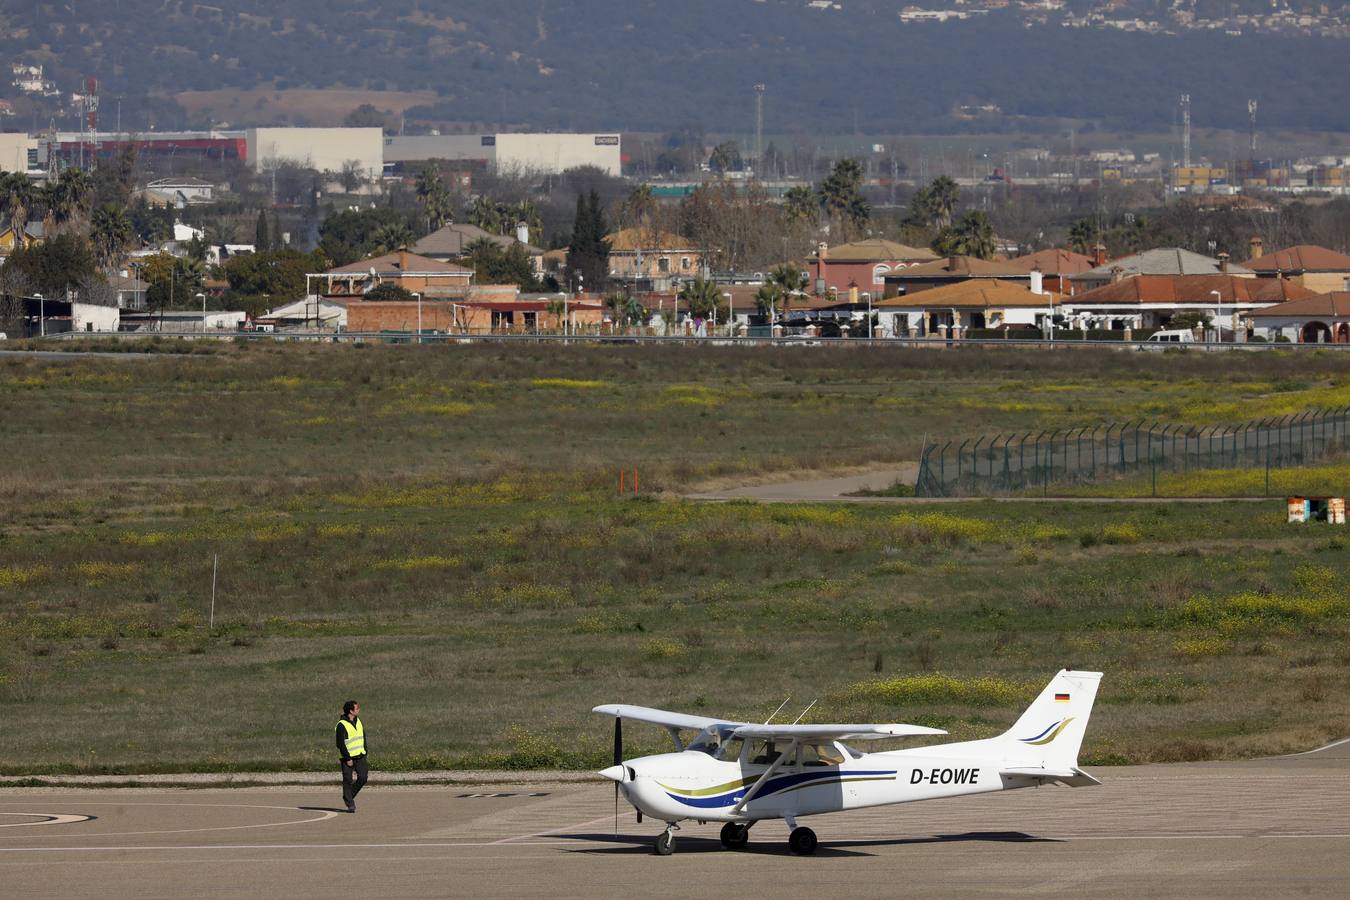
{"points": [[1251, 115], [759, 130]]}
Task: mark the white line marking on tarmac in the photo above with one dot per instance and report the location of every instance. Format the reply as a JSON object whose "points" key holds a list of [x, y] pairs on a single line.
{"points": [[1318, 750], [323, 816], [552, 831], [47, 819]]}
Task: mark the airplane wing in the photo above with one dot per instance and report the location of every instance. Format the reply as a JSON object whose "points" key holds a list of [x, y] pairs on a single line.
{"points": [[659, 716], [832, 732], [1069, 777]]}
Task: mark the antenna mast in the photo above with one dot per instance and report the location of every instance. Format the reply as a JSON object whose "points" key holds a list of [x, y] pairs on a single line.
{"points": [[1186, 131], [759, 129], [1251, 115]]}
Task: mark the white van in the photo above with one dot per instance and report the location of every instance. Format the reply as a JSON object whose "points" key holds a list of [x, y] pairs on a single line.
{"points": [[1165, 340]]}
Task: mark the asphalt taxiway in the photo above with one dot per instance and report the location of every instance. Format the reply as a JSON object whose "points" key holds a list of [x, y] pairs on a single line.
{"points": [[1265, 828]]}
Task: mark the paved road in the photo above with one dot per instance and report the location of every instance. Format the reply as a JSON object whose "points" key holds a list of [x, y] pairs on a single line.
{"points": [[1257, 829]]}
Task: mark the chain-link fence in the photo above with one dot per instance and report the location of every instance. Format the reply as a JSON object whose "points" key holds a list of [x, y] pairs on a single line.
{"points": [[1019, 463]]}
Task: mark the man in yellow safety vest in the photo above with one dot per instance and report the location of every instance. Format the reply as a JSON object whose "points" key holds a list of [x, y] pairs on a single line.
{"points": [[351, 744]]}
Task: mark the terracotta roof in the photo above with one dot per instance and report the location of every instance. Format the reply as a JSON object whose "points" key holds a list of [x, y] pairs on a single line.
{"points": [[1055, 261], [1162, 261], [393, 264], [631, 239], [958, 267], [451, 240], [1302, 258], [983, 294], [1193, 289], [875, 250], [1335, 305]]}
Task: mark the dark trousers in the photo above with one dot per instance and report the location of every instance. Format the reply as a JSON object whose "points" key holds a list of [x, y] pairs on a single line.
{"points": [[354, 778]]}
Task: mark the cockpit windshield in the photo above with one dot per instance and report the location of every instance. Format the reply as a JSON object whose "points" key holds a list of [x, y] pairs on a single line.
{"points": [[711, 740]]}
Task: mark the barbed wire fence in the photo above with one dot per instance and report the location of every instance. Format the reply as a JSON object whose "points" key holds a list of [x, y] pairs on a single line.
{"points": [[1019, 463]]}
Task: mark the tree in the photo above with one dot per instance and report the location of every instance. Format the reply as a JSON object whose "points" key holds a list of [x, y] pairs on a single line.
{"points": [[171, 282], [110, 232], [67, 198], [588, 255], [389, 291], [972, 235], [841, 196], [704, 299], [17, 195], [931, 207], [391, 236], [352, 176], [800, 204], [262, 237], [1083, 236], [726, 157], [367, 116], [54, 266], [433, 196], [276, 275], [493, 264]]}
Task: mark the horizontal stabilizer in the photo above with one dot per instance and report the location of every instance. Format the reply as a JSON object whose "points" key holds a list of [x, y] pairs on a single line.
{"points": [[1071, 777], [867, 732]]}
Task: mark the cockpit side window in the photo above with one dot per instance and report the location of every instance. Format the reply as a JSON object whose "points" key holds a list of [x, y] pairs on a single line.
{"points": [[764, 752], [821, 755]]}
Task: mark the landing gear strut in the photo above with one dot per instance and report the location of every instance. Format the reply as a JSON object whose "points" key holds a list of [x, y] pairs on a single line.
{"points": [[802, 841], [665, 841], [735, 835]]}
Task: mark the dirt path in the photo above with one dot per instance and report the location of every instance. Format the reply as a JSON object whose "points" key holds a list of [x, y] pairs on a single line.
{"points": [[817, 489]]}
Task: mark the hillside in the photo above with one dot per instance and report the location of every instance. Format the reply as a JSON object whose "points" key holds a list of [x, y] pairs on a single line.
{"points": [[649, 65]]}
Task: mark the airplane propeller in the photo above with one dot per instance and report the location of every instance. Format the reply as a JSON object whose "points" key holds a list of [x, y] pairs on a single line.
{"points": [[618, 761]]}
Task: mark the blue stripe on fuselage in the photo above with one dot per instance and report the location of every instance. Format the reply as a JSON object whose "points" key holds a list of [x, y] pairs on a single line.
{"points": [[775, 785]]}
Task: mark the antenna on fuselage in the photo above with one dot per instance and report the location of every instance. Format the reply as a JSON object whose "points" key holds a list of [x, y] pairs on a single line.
{"points": [[805, 711], [778, 710]]}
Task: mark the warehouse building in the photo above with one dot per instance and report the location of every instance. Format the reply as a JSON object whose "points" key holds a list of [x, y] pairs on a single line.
{"points": [[543, 153]]}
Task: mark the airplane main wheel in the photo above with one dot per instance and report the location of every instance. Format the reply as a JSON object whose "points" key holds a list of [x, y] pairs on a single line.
{"points": [[665, 843], [735, 835], [802, 841]]}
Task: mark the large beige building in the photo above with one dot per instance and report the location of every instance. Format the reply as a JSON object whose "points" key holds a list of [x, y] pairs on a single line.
{"points": [[325, 149], [545, 153]]}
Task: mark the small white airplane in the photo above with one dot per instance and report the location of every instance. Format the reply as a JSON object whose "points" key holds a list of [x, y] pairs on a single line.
{"points": [[740, 773]]}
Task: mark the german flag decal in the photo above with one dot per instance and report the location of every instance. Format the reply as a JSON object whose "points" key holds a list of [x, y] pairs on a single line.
{"points": [[1061, 698]]}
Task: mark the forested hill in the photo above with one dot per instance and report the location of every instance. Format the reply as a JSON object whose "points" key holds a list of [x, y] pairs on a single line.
{"points": [[656, 64]]}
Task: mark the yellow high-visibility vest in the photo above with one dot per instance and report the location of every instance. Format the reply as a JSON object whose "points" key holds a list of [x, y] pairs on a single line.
{"points": [[356, 737]]}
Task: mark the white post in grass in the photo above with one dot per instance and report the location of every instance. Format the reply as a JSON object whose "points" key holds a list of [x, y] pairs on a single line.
{"points": [[215, 564]]}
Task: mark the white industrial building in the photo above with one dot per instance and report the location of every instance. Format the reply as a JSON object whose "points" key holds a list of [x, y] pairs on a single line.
{"points": [[18, 152], [324, 149], [545, 153]]}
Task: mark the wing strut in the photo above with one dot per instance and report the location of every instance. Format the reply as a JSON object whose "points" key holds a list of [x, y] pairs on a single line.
{"points": [[773, 767]]}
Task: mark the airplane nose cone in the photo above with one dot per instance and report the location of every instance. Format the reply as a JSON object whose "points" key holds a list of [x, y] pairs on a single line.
{"points": [[615, 773]]}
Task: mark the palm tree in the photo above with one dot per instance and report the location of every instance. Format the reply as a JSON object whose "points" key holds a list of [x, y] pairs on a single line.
{"points": [[800, 204], [433, 196], [110, 232], [704, 298], [68, 197], [841, 197], [526, 213], [18, 193], [1083, 236], [391, 236], [639, 204], [943, 193], [972, 235]]}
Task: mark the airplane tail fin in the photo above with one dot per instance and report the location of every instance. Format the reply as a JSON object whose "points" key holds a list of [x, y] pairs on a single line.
{"points": [[1051, 730]]}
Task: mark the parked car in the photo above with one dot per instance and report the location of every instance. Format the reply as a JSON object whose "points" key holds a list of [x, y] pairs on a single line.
{"points": [[1169, 340]]}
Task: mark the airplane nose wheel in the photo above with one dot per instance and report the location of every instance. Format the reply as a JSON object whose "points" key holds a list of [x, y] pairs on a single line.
{"points": [[735, 835], [802, 841], [665, 841]]}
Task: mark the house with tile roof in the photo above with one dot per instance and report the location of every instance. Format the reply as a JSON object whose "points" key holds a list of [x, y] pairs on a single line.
{"points": [[415, 274], [1056, 266], [862, 264], [1317, 268], [652, 256], [951, 270], [973, 303], [1149, 301], [1160, 261], [1318, 319], [452, 242]]}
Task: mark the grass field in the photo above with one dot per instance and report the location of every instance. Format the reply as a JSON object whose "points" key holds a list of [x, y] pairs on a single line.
{"points": [[435, 531]]}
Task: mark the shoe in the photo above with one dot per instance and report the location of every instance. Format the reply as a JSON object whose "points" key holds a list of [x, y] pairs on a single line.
{"points": [[351, 806]]}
